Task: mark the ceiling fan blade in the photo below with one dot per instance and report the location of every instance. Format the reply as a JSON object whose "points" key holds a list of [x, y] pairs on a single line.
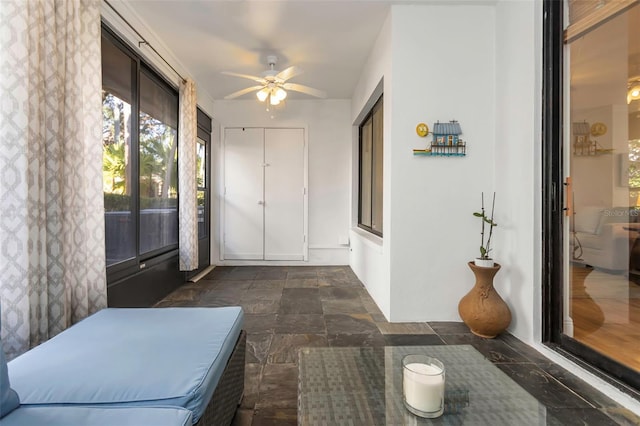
{"points": [[242, 92], [286, 74], [250, 77], [305, 89]]}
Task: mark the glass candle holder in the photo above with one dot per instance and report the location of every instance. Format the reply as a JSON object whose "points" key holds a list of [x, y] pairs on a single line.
{"points": [[423, 380]]}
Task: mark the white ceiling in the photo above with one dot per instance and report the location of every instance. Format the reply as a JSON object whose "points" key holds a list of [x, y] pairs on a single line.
{"points": [[329, 40]]}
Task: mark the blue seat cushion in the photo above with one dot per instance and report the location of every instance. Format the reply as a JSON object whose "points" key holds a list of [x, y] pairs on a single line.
{"points": [[135, 357], [98, 416]]}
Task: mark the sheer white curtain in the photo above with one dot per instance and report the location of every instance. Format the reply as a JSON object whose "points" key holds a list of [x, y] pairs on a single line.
{"points": [[52, 253], [187, 153]]}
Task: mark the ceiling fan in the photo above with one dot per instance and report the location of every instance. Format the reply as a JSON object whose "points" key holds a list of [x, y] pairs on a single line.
{"points": [[273, 84]]}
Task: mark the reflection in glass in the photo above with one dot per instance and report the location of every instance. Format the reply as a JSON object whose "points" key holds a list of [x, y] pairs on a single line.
{"points": [[158, 167], [602, 308], [201, 164], [120, 229]]}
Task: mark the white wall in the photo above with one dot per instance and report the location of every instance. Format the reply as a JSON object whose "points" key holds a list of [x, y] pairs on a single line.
{"points": [[329, 126], [518, 163], [370, 255], [429, 230], [443, 68]]}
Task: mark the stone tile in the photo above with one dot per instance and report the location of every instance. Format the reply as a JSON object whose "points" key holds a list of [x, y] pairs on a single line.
{"points": [[203, 285], [543, 387], [263, 294], [314, 296], [240, 274], [300, 323], [303, 273], [301, 283], [347, 306], [527, 351], [583, 389], [404, 328], [232, 285], [261, 306], [219, 272], [272, 274], [216, 299], [338, 293], [261, 284], [413, 339], [494, 350], [183, 294], [243, 417], [276, 417], [279, 387], [258, 346], [331, 270], [219, 300], [370, 306], [356, 340], [175, 303], [259, 323], [300, 301], [284, 348], [378, 317], [252, 378], [340, 282], [350, 324], [449, 327], [578, 417]]}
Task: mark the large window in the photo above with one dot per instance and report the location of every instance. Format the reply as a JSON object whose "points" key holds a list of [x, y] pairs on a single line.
{"points": [[370, 173], [140, 121]]}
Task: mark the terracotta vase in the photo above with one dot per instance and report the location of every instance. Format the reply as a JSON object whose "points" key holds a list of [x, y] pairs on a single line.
{"points": [[482, 309]]}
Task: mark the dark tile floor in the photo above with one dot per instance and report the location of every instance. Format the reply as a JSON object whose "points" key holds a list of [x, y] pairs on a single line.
{"points": [[291, 307]]}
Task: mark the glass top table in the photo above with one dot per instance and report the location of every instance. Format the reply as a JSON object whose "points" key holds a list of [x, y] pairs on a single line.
{"points": [[363, 386]]}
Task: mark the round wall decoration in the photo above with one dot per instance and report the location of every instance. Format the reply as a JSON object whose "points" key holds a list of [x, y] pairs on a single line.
{"points": [[422, 130], [598, 129]]}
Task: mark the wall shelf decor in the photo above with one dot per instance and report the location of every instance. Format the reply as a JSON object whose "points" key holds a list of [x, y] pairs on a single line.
{"points": [[446, 141], [583, 146]]}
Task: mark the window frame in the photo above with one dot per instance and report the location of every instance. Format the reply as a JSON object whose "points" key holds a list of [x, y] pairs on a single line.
{"points": [[120, 270], [369, 117]]}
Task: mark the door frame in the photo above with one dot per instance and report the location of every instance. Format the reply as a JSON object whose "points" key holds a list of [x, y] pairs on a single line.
{"points": [[221, 224]]}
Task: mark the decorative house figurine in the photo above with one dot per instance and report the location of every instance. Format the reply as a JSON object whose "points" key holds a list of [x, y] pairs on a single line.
{"points": [[581, 143], [446, 139]]}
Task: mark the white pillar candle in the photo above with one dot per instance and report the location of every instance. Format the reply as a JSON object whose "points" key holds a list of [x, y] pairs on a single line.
{"points": [[423, 386]]}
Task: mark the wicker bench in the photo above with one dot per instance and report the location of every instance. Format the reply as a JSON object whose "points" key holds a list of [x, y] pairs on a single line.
{"points": [[191, 358]]}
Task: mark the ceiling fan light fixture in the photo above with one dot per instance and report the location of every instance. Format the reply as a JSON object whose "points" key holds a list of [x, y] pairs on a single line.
{"points": [[280, 93], [263, 94], [273, 100]]}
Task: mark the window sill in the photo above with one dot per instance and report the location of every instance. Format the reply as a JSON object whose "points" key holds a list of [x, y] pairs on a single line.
{"points": [[368, 238]]}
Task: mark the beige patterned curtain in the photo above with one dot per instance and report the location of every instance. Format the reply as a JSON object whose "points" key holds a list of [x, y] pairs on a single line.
{"points": [[52, 254], [187, 153]]}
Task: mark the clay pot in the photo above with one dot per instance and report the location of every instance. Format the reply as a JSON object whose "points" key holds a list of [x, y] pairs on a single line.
{"points": [[482, 309]]}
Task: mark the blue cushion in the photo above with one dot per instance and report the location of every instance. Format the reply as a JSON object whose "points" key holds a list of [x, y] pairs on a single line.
{"points": [[9, 400], [137, 357], [98, 416]]}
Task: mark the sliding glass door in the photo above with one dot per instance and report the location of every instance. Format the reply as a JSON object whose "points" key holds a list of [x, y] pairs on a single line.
{"points": [[596, 286]]}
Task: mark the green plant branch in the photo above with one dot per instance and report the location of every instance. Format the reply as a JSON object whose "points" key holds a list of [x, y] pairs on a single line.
{"points": [[485, 249]]}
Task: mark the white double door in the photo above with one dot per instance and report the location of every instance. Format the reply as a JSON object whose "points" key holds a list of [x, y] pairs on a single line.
{"points": [[264, 194]]}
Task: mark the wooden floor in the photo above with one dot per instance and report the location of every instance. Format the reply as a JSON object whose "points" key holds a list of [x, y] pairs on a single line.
{"points": [[605, 309]]}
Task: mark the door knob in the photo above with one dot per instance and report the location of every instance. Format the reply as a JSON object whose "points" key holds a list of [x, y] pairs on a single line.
{"points": [[261, 203]]}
